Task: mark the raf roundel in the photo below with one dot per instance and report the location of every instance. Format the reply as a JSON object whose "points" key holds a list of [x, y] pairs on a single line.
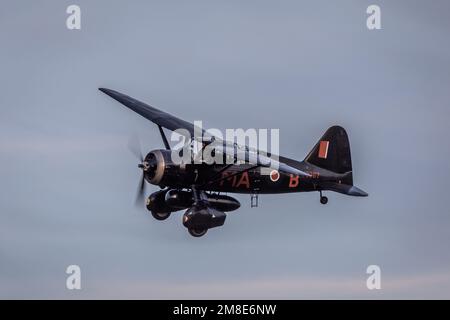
{"points": [[274, 175]]}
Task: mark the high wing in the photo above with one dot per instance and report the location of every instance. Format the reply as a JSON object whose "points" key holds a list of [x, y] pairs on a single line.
{"points": [[168, 121], [158, 117]]}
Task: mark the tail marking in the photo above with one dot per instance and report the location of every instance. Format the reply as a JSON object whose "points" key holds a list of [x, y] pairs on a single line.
{"points": [[323, 149]]}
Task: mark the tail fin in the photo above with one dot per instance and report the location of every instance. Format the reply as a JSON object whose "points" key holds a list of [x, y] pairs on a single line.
{"points": [[332, 153]]}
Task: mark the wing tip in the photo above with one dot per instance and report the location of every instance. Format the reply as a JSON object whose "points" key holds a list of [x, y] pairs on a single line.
{"points": [[105, 90], [114, 94]]}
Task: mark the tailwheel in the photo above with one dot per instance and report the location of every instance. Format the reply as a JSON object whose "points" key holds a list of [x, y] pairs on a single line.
{"points": [[197, 232], [160, 215], [323, 199]]}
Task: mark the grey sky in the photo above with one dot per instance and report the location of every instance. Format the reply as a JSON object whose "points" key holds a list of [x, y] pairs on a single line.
{"points": [[68, 181]]}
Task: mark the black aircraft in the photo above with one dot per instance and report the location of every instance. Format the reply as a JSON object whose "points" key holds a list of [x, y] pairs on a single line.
{"points": [[197, 187]]}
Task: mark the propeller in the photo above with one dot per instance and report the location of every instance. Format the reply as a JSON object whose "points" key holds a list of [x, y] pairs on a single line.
{"points": [[134, 145], [140, 193]]}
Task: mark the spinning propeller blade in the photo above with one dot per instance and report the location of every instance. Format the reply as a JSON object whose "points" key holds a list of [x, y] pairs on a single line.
{"points": [[140, 193], [134, 145]]}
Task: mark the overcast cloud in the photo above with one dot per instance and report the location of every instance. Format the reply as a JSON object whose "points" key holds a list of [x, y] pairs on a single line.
{"points": [[68, 181]]}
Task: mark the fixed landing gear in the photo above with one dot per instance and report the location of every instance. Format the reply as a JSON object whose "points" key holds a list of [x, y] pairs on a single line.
{"points": [[157, 206], [197, 232], [323, 199]]}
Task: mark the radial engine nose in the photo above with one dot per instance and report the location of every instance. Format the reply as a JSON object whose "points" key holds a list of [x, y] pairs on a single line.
{"points": [[153, 167]]}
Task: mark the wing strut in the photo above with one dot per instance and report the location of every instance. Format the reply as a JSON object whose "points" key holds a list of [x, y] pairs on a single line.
{"points": [[163, 136]]}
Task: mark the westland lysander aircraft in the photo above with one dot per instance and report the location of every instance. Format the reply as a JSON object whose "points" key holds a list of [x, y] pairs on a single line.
{"points": [[197, 186]]}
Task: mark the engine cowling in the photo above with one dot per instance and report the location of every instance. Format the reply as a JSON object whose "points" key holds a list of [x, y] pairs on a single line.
{"points": [[161, 170]]}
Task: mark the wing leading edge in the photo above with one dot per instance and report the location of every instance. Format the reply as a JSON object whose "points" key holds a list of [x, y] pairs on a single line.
{"points": [[158, 117]]}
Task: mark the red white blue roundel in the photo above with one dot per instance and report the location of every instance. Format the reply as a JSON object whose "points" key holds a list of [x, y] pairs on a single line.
{"points": [[274, 175]]}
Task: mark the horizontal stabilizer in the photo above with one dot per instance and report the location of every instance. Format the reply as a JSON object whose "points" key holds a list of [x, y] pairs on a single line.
{"points": [[344, 189]]}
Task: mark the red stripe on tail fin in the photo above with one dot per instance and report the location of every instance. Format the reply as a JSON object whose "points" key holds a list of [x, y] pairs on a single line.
{"points": [[323, 149]]}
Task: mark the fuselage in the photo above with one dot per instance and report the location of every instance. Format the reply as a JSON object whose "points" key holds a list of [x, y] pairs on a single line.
{"points": [[242, 178], [236, 179]]}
